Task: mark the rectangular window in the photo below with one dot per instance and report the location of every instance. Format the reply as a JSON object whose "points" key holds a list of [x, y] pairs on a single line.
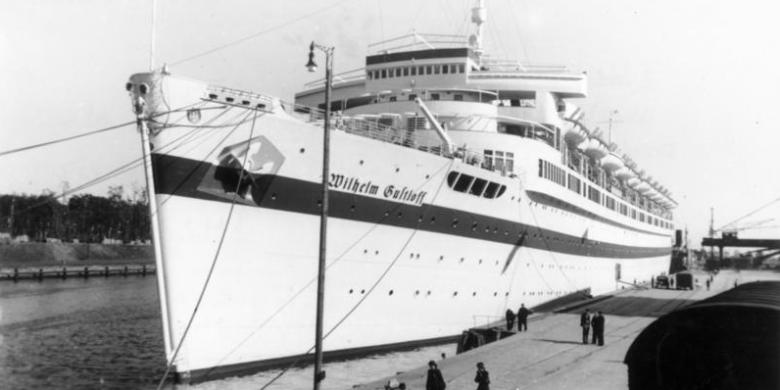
{"points": [[412, 96], [428, 69], [436, 69], [384, 73], [414, 71], [488, 164], [406, 71], [369, 74], [434, 96], [499, 165], [445, 69], [457, 97], [594, 194], [393, 98], [461, 68], [540, 168]]}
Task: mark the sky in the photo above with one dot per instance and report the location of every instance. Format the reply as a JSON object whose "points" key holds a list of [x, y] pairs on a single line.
{"points": [[694, 82]]}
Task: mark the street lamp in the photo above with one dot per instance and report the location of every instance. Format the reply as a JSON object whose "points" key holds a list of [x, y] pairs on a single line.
{"points": [[319, 374]]}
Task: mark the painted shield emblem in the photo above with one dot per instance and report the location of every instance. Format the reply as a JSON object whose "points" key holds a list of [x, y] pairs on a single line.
{"points": [[193, 115]]}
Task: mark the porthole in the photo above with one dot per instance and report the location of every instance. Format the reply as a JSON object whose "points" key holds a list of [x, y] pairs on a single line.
{"points": [[474, 294], [390, 292], [273, 196], [376, 252], [461, 259], [417, 292], [365, 251], [351, 291], [400, 214], [429, 292], [302, 150], [362, 291], [480, 261], [455, 294], [387, 213], [506, 294], [361, 162], [352, 208], [495, 294], [433, 220], [441, 258], [397, 169]]}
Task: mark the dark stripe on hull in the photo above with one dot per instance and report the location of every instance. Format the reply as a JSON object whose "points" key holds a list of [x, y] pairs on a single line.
{"points": [[202, 180]]}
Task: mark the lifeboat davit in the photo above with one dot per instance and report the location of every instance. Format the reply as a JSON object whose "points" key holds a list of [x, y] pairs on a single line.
{"points": [[612, 163], [624, 173], [574, 136], [595, 150]]}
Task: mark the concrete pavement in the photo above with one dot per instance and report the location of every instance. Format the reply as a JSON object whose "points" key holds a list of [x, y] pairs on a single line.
{"points": [[550, 355]]}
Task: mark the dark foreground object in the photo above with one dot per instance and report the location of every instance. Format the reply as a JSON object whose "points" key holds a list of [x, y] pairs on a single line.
{"points": [[40, 273], [728, 341]]}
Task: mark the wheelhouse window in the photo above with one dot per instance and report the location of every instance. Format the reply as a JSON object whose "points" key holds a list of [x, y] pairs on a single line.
{"points": [[474, 185]]}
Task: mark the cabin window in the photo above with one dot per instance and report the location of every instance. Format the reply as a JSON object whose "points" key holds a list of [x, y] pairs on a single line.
{"points": [[384, 73], [412, 96], [457, 98], [478, 186], [369, 74], [406, 71], [393, 98], [463, 183], [414, 71], [434, 96], [491, 190], [461, 68], [436, 69], [428, 69], [451, 178], [445, 69]]}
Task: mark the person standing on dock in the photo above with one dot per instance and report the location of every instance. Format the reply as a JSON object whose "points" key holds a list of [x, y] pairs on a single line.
{"points": [[598, 323], [510, 319], [435, 380], [482, 378], [522, 317], [585, 324]]}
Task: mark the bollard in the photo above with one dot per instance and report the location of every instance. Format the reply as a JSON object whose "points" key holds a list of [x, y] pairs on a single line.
{"points": [[64, 273], [105, 274], [86, 272], [143, 270]]}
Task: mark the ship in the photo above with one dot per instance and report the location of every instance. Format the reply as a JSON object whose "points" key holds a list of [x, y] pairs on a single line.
{"points": [[460, 185]]}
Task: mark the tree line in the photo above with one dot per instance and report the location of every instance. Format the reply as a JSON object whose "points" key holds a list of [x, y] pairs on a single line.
{"points": [[83, 217]]}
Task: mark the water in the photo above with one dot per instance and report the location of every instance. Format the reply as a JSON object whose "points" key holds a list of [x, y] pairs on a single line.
{"points": [[106, 334]]}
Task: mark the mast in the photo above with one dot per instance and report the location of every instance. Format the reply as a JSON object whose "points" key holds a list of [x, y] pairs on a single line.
{"points": [[478, 17]]}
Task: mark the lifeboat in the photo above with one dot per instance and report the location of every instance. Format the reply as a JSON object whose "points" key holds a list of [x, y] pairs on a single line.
{"points": [[624, 173], [612, 163], [642, 187], [633, 182], [594, 149], [574, 136]]}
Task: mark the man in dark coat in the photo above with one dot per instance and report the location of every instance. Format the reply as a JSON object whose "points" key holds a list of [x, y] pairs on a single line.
{"points": [[482, 378], [435, 380], [522, 317], [598, 323], [510, 319], [585, 324]]}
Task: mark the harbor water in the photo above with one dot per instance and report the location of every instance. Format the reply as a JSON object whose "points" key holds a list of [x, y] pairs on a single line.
{"points": [[105, 333]]}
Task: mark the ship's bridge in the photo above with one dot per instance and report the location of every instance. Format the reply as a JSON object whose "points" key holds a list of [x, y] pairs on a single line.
{"points": [[454, 65]]}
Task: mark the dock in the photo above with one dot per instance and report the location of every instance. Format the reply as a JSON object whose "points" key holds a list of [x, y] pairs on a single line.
{"points": [[551, 355], [70, 271]]}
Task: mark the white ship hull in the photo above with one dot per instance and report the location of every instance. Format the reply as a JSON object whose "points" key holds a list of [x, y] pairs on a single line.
{"points": [[409, 258]]}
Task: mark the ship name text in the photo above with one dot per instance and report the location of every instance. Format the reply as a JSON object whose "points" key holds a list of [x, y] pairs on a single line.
{"points": [[367, 187]]}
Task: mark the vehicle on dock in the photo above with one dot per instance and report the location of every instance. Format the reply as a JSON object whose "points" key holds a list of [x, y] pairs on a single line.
{"points": [[662, 281], [684, 280]]}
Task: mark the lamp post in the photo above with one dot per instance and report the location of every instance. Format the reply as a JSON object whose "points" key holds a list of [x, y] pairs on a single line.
{"points": [[319, 374]]}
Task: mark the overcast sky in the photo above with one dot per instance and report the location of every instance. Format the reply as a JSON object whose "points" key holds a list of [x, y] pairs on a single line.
{"points": [[695, 82]]}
